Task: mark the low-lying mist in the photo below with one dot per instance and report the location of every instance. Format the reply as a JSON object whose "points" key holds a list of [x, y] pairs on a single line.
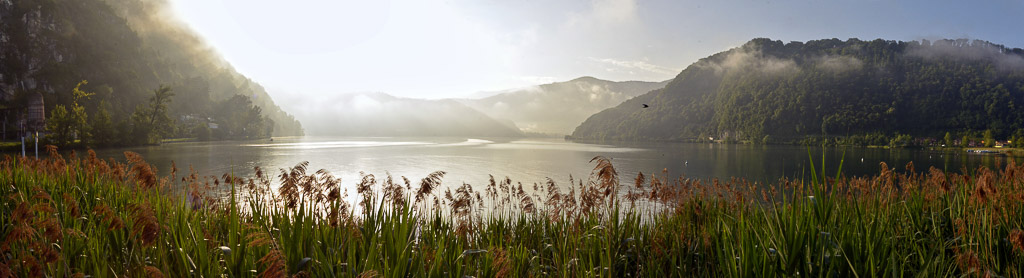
{"points": [[379, 114], [551, 109]]}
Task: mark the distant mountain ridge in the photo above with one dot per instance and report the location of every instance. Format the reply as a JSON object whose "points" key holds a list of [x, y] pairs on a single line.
{"points": [[767, 89], [552, 109], [379, 114], [557, 108]]}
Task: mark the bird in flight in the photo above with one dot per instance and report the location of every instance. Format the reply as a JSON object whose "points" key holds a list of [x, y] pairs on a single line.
{"points": [[645, 105]]}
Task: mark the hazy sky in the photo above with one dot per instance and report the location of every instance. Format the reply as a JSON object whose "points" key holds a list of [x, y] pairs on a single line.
{"points": [[454, 48]]}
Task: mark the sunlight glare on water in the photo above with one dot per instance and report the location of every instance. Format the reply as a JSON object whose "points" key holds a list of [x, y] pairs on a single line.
{"points": [[336, 144], [532, 160]]}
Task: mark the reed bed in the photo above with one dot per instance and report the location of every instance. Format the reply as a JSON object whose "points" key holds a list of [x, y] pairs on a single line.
{"points": [[72, 217]]}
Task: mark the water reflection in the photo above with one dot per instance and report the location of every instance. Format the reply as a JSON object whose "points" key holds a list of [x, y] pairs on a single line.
{"points": [[528, 161]]}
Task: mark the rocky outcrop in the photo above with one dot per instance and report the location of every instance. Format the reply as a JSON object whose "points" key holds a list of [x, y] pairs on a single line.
{"points": [[25, 24]]}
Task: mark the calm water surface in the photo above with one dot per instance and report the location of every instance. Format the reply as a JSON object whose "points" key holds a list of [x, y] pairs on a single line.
{"points": [[532, 160]]}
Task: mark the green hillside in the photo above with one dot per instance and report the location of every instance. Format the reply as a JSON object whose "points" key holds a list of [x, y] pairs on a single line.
{"points": [[770, 90], [126, 49]]}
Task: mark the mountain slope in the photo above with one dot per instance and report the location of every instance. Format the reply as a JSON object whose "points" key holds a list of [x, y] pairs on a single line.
{"points": [[125, 49], [378, 114], [557, 108], [770, 89]]}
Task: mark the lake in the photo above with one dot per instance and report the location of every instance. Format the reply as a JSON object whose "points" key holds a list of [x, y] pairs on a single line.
{"points": [[531, 160]]}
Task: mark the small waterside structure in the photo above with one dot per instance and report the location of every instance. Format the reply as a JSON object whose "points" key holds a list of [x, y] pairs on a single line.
{"points": [[36, 112]]}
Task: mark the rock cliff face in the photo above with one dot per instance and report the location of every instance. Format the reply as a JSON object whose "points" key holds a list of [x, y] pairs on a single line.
{"points": [[25, 50], [25, 26]]}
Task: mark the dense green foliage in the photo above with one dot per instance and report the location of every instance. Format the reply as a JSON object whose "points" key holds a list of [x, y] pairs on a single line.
{"points": [[150, 121], [63, 217], [125, 49], [770, 90]]}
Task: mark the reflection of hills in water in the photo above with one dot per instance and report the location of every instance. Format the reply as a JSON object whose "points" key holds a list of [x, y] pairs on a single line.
{"points": [[561, 146]]}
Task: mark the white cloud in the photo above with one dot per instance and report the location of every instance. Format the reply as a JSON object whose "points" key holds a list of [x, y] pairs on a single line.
{"points": [[839, 63], [614, 10], [752, 60], [605, 12], [539, 79], [639, 65]]}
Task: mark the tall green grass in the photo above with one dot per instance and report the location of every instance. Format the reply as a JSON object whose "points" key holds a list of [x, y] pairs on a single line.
{"points": [[85, 216]]}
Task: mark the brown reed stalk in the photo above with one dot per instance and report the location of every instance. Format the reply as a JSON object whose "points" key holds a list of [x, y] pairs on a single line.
{"points": [[145, 176], [554, 201], [501, 262], [290, 180], [106, 214], [429, 183], [274, 264], [145, 226], [370, 273], [153, 272]]}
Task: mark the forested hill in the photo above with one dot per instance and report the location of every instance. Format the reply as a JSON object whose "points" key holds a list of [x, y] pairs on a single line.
{"points": [[769, 90], [126, 49]]}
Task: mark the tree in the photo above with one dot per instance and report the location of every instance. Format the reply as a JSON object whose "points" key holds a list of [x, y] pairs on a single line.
{"points": [[989, 140], [901, 140], [79, 123], [66, 126], [201, 131], [239, 118], [78, 114], [103, 130], [948, 139], [150, 121], [59, 126], [1017, 137]]}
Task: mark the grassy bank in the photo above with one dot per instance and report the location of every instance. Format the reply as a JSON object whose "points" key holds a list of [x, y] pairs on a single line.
{"points": [[71, 216]]}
